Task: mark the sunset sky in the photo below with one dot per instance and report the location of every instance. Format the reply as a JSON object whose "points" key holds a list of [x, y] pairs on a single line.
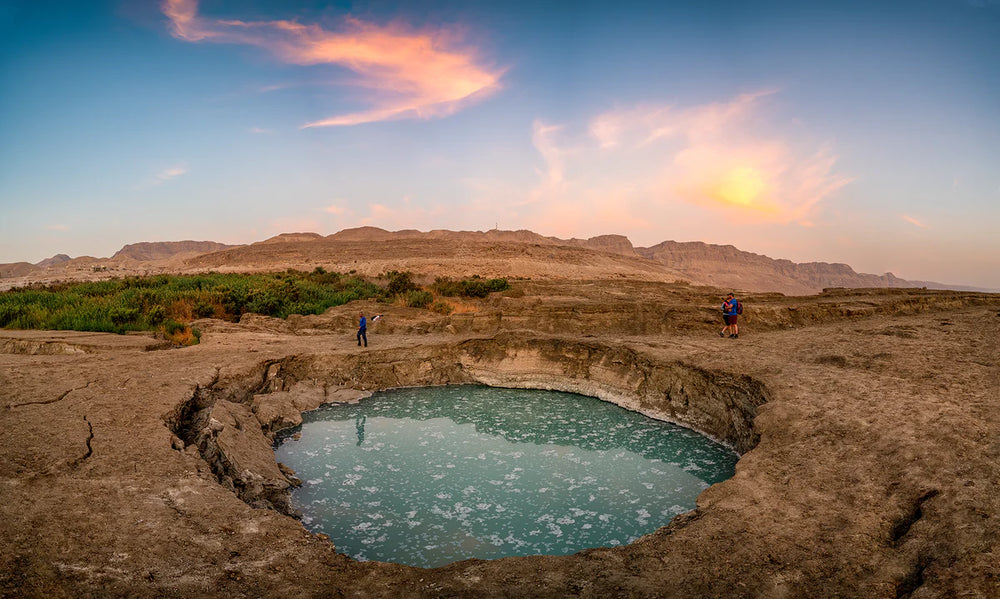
{"points": [[858, 132]]}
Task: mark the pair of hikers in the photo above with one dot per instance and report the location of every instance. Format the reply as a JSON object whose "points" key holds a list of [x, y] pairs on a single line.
{"points": [[731, 310]]}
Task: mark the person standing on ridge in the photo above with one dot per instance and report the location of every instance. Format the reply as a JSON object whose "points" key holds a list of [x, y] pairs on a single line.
{"points": [[731, 309], [363, 330]]}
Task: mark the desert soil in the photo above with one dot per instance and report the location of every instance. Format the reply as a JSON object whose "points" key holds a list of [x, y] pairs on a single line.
{"points": [[868, 421]]}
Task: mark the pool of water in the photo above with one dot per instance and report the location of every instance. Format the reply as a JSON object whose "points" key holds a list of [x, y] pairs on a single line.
{"points": [[427, 476]]}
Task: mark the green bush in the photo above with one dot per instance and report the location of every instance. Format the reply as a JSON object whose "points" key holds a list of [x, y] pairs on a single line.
{"points": [[156, 314], [9, 314], [441, 307], [264, 301], [399, 282], [124, 316], [474, 287], [204, 309], [419, 299], [172, 327]]}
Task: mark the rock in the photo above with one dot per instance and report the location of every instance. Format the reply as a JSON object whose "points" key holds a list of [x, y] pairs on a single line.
{"points": [[276, 411]]}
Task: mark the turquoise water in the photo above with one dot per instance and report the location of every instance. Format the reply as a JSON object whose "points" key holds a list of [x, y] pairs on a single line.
{"points": [[432, 475]]}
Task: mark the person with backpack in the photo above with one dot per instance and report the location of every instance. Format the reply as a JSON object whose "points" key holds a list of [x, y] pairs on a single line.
{"points": [[731, 309]]}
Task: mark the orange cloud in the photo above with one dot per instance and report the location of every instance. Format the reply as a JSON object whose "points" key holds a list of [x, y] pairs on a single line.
{"points": [[410, 74], [914, 221]]}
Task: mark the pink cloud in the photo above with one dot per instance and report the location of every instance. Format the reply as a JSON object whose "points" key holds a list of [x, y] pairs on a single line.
{"points": [[914, 221], [409, 73]]}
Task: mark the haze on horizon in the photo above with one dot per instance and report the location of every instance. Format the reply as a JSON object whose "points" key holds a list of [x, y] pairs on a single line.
{"points": [[857, 132]]}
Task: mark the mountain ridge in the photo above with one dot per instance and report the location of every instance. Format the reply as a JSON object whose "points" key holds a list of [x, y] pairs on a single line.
{"points": [[522, 253]]}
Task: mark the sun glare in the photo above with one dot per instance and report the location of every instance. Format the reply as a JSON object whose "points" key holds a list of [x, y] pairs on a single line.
{"points": [[741, 186]]}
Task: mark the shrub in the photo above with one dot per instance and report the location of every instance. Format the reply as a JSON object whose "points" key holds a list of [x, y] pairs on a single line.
{"points": [[156, 314], [123, 316], [204, 309], [399, 282], [498, 285], [9, 314], [441, 307], [264, 302], [172, 327], [419, 299], [474, 287]]}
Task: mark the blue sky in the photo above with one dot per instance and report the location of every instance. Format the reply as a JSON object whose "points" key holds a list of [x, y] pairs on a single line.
{"points": [[865, 133]]}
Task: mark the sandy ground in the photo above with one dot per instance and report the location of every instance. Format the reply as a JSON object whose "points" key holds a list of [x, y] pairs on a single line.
{"points": [[875, 473]]}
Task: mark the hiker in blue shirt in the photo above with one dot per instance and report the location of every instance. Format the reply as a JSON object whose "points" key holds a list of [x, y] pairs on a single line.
{"points": [[730, 313], [363, 330]]}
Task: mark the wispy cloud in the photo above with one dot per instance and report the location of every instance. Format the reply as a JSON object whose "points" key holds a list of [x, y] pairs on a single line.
{"points": [[169, 173], [56, 227], [914, 221], [408, 73], [161, 177]]}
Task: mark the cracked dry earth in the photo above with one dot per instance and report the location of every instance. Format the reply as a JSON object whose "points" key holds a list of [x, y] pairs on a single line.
{"points": [[868, 423]]}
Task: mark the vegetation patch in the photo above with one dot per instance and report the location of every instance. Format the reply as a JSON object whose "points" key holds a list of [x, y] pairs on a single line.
{"points": [[165, 303], [474, 287], [168, 303]]}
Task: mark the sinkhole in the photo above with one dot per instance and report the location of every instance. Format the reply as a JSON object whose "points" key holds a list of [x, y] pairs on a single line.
{"points": [[426, 476]]}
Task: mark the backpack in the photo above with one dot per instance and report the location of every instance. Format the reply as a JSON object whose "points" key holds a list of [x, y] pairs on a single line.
{"points": [[739, 307]]}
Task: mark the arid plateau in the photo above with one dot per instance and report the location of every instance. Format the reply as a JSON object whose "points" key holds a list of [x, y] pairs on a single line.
{"points": [[867, 416]]}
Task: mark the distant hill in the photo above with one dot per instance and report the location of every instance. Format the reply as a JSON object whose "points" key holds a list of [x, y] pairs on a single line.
{"points": [[727, 266], [15, 269], [53, 261], [162, 250], [291, 237]]}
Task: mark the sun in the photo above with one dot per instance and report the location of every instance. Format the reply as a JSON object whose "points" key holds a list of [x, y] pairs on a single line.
{"points": [[741, 186]]}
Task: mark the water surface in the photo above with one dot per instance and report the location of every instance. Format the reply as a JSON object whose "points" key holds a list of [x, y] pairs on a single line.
{"points": [[427, 476]]}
